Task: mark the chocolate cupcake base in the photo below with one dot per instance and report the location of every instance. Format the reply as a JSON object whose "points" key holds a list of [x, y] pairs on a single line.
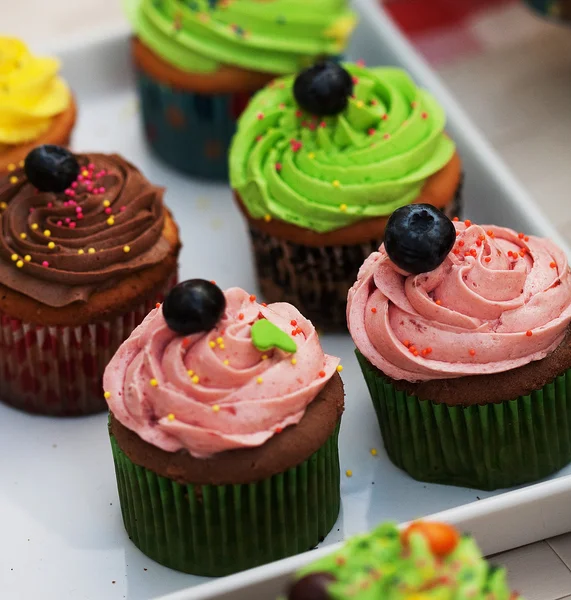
{"points": [[487, 446]]}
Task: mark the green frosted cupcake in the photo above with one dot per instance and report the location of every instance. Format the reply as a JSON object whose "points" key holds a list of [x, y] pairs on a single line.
{"points": [[319, 163], [428, 561], [224, 423], [462, 335]]}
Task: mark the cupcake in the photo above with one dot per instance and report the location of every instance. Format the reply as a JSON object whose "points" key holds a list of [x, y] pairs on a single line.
{"points": [[462, 332], [199, 62], [428, 561], [87, 248], [318, 164], [36, 105], [224, 419]]}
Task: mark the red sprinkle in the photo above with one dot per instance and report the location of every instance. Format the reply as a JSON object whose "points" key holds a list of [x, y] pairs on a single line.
{"points": [[241, 316], [185, 343], [439, 302], [298, 113], [424, 115], [487, 259], [461, 243], [478, 243], [260, 116], [467, 222], [455, 219], [455, 251], [323, 124], [473, 252], [406, 343], [552, 265], [490, 233], [278, 166], [321, 373], [355, 80], [158, 305], [373, 310], [526, 239], [387, 136], [252, 298], [278, 429], [264, 304], [385, 117], [529, 333], [520, 236], [472, 352], [293, 323], [372, 131]]}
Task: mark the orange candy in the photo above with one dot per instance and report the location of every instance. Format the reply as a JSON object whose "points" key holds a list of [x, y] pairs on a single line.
{"points": [[441, 537]]}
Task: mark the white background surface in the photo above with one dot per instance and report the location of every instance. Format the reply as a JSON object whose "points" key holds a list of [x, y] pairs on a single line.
{"points": [[520, 95]]}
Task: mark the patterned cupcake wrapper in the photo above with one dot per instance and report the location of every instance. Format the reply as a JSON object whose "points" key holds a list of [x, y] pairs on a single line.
{"points": [[57, 371], [488, 446], [190, 131], [315, 279], [213, 530]]}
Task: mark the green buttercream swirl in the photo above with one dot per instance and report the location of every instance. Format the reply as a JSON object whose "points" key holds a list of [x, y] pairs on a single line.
{"points": [[366, 162], [274, 36], [376, 565]]}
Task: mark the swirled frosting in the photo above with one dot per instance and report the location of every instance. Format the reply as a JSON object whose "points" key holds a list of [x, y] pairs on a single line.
{"points": [[498, 301], [274, 36], [31, 93], [325, 174], [214, 391], [380, 565], [60, 248]]}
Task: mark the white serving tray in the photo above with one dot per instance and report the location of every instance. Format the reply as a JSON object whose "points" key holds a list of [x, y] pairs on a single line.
{"points": [[62, 536]]}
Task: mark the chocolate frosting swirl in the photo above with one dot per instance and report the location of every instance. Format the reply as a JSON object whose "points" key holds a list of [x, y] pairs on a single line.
{"points": [[59, 248]]}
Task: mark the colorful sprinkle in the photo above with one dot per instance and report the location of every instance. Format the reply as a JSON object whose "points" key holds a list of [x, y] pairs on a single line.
{"points": [[267, 218], [107, 395], [111, 221], [343, 208], [11, 167], [126, 249], [34, 226], [81, 251], [349, 473], [373, 310], [472, 352], [154, 382], [170, 417], [20, 264], [13, 179], [215, 408], [14, 257], [27, 258], [529, 333], [339, 368], [91, 251], [51, 245], [335, 183], [553, 265], [311, 155], [106, 203], [45, 263], [195, 379], [23, 236], [321, 373], [226, 362], [373, 451], [47, 232], [294, 361], [259, 380]]}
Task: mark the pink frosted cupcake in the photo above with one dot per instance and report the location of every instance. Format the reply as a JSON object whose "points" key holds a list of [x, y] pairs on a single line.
{"points": [[224, 423]]}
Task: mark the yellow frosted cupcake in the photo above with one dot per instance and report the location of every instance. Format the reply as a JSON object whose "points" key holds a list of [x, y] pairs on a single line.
{"points": [[36, 105]]}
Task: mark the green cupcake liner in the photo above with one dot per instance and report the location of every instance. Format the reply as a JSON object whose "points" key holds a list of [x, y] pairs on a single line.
{"points": [[213, 530], [487, 446]]}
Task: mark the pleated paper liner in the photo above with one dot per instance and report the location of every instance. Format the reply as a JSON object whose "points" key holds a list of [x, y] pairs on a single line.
{"points": [[214, 531], [315, 279], [190, 131], [488, 446], [57, 371]]}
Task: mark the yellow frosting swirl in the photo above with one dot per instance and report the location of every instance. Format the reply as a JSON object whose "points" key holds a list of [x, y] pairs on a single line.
{"points": [[31, 93]]}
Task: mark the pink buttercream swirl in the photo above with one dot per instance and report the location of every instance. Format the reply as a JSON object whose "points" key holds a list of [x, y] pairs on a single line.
{"points": [[216, 391], [498, 301]]}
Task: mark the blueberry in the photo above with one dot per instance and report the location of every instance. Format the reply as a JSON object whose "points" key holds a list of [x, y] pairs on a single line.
{"points": [[323, 89], [51, 168], [312, 587], [193, 306], [418, 238]]}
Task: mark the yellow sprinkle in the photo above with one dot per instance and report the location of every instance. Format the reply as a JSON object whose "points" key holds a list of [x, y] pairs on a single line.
{"points": [[226, 362], [215, 408], [154, 382], [219, 340], [259, 380], [343, 208], [107, 395], [195, 379], [21, 163], [170, 417], [85, 172], [339, 368], [27, 258], [335, 183], [222, 347], [264, 357], [126, 249], [13, 179], [374, 451], [311, 155], [51, 245], [47, 232], [294, 361], [212, 344], [106, 203], [11, 167], [81, 251], [111, 221], [3, 206], [359, 104], [34, 226], [20, 264], [14, 257], [267, 218], [23, 235], [190, 373], [349, 473], [91, 251]]}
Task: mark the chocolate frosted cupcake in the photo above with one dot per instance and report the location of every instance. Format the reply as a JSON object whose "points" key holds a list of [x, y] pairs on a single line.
{"points": [[463, 337], [87, 248], [224, 423], [319, 163], [199, 62], [427, 560], [36, 105]]}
